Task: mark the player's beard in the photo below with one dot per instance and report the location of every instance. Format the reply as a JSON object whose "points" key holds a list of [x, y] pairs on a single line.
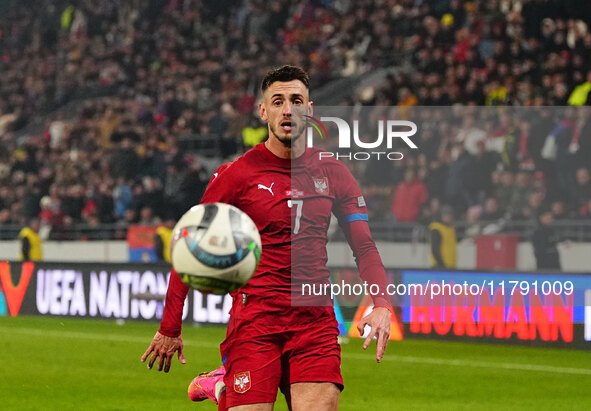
{"points": [[289, 139]]}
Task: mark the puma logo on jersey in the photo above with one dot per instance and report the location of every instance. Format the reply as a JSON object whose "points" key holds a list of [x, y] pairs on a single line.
{"points": [[269, 189]]}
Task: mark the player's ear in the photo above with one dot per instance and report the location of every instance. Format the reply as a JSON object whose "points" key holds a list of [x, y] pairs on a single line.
{"points": [[263, 112], [310, 108]]}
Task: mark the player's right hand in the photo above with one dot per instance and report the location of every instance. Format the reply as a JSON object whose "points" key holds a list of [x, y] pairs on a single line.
{"points": [[164, 347]]}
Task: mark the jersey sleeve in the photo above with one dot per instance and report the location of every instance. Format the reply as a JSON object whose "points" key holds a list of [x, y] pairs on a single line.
{"points": [[219, 189], [172, 318], [351, 211], [223, 186], [349, 203]]}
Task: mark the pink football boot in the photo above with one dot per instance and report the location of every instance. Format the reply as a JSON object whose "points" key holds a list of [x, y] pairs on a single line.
{"points": [[204, 385]]}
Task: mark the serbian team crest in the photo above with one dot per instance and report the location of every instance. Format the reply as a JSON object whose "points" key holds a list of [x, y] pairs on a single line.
{"points": [[242, 382], [320, 184]]}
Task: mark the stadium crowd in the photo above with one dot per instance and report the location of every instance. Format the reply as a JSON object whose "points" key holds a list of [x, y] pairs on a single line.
{"points": [[488, 164], [168, 69]]}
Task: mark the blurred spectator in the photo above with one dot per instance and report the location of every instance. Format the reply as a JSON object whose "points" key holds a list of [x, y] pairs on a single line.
{"points": [[129, 218], [484, 163], [581, 95], [459, 180], [30, 242], [254, 133], [51, 214], [470, 135], [436, 179], [163, 239], [31, 198], [122, 197], [473, 215], [582, 145], [151, 158], [192, 186], [511, 138], [504, 190], [408, 197], [541, 125], [564, 133], [107, 125], [534, 205], [442, 237], [147, 217], [73, 203], [520, 196], [124, 161], [425, 215], [491, 211], [545, 242], [90, 228], [105, 207], [381, 173], [153, 197], [583, 188], [57, 130], [585, 211], [559, 210]]}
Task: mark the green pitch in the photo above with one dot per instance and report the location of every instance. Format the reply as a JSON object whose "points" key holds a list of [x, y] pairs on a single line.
{"points": [[66, 364]]}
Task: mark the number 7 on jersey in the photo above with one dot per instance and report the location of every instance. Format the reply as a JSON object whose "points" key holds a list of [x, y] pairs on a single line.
{"points": [[298, 206]]}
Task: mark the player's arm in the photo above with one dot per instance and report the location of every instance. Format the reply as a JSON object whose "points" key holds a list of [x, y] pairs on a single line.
{"points": [[351, 212], [168, 341], [372, 271]]}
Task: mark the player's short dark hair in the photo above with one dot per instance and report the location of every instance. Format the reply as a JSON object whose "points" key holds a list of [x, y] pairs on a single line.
{"points": [[284, 74]]}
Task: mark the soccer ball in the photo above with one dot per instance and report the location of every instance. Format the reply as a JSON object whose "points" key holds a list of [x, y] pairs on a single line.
{"points": [[215, 248]]}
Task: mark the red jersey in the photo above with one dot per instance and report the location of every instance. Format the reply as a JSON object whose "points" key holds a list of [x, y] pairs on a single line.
{"points": [[290, 201]]}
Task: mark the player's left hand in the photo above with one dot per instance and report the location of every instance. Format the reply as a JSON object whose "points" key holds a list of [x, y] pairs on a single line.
{"points": [[164, 347], [379, 322]]}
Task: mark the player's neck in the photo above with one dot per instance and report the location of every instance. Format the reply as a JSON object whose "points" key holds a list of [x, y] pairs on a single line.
{"points": [[280, 150]]}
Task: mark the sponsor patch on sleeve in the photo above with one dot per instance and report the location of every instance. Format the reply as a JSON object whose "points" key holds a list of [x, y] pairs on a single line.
{"points": [[361, 201]]}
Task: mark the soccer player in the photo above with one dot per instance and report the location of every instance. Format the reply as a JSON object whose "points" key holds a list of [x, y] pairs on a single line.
{"points": [[272, 341]]}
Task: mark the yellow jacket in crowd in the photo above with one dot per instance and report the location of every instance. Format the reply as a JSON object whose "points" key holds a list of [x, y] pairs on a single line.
{"points": [[31, 249]]}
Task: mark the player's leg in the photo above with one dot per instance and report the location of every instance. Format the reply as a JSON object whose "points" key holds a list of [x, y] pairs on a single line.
{"points": [[312, 367], [207, 385], [211, 386], [317, 396], [253, 371], [249, 407], [253, 407]]}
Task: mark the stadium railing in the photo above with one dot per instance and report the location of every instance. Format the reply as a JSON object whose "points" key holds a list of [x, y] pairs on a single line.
{"points": [[74, 232], [573, 230]]}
